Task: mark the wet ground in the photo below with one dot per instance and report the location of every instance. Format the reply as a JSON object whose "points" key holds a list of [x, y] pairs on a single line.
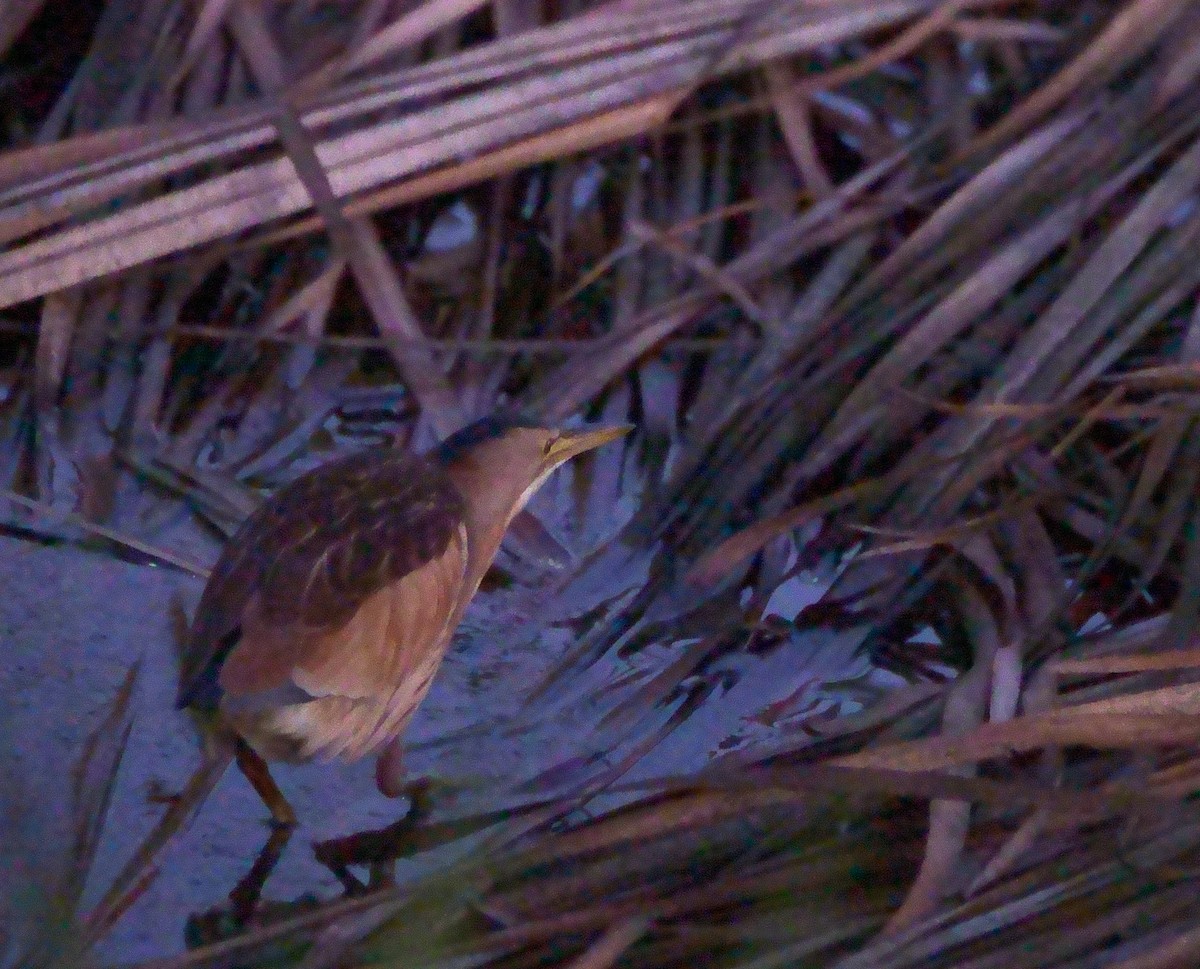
{"points": [[72, 623]]}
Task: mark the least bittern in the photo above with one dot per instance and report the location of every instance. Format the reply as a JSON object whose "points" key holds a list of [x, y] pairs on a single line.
{"points": [[327, 616]]}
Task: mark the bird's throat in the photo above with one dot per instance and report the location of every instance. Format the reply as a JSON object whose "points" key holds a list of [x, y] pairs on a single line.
{"points": [[489, 511]]}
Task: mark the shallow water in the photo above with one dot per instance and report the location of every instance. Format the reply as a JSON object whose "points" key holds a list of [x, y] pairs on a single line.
{"points": [[73, 624], [75, 621]]}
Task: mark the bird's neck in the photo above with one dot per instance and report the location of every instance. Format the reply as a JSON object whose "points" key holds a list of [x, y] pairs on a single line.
{"points": [[489, 510]]}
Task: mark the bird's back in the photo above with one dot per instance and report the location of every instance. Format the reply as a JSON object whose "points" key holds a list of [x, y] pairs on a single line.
{"points": [[302, 567]]}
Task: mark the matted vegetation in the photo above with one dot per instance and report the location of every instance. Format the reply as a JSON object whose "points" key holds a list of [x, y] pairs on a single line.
{"points": [[900, 293]]}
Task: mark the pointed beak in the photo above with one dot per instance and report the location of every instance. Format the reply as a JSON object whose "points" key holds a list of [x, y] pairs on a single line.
{"points": [[571, 443]]}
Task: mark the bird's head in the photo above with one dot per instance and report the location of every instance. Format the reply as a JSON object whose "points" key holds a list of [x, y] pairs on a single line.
{"points": [[511, 456]]}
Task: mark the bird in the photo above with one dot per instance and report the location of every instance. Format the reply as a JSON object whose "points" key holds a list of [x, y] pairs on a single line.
{"points": [[331, 607]]}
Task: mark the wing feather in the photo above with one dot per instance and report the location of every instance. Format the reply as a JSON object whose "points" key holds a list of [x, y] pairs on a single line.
{"points": [[378, 646], [303, 566], [393, 631], [361, 683]]}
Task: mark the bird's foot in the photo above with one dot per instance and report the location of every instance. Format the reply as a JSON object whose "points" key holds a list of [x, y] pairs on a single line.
{"points": [[377, 849]]}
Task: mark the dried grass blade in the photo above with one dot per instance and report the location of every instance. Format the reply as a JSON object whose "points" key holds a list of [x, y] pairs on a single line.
{"points": [[17, 15], [995, 29], [580, 136], [795, 121], [137, 874], [718, 562], [606, 950], [260, 193], [998, 177], [128, 541], [60, 314], [56, 945], [1132, 30], [94, 779], [1176, 953], [580, 379], [949, 821], [410, 29], [356, 240], [1109, 261], [1181, 659], [643, 232], [256, 194], [949, 318], [212, 15], [311, 300], [1156, 717]]}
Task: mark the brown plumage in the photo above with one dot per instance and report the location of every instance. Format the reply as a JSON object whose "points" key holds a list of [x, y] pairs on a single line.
{"points": [[327, 616]]}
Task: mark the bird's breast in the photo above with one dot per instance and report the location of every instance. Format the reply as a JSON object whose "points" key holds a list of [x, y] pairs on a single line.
{"points": [[329, 727]]}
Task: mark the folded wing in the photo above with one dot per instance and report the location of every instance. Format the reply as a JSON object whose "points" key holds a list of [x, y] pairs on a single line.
{"points": [[333, 585]]}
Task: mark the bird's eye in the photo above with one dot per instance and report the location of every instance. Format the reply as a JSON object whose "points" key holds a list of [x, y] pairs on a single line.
{"points": [[549, 446]]}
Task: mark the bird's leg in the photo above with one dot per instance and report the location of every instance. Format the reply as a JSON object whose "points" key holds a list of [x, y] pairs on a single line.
{"points": [[244, 898], [259, 776], [378, 849], [246, 894], [389, 770]]}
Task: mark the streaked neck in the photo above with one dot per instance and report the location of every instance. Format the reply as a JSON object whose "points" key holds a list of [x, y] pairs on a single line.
{"points": [[489, 510]]}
